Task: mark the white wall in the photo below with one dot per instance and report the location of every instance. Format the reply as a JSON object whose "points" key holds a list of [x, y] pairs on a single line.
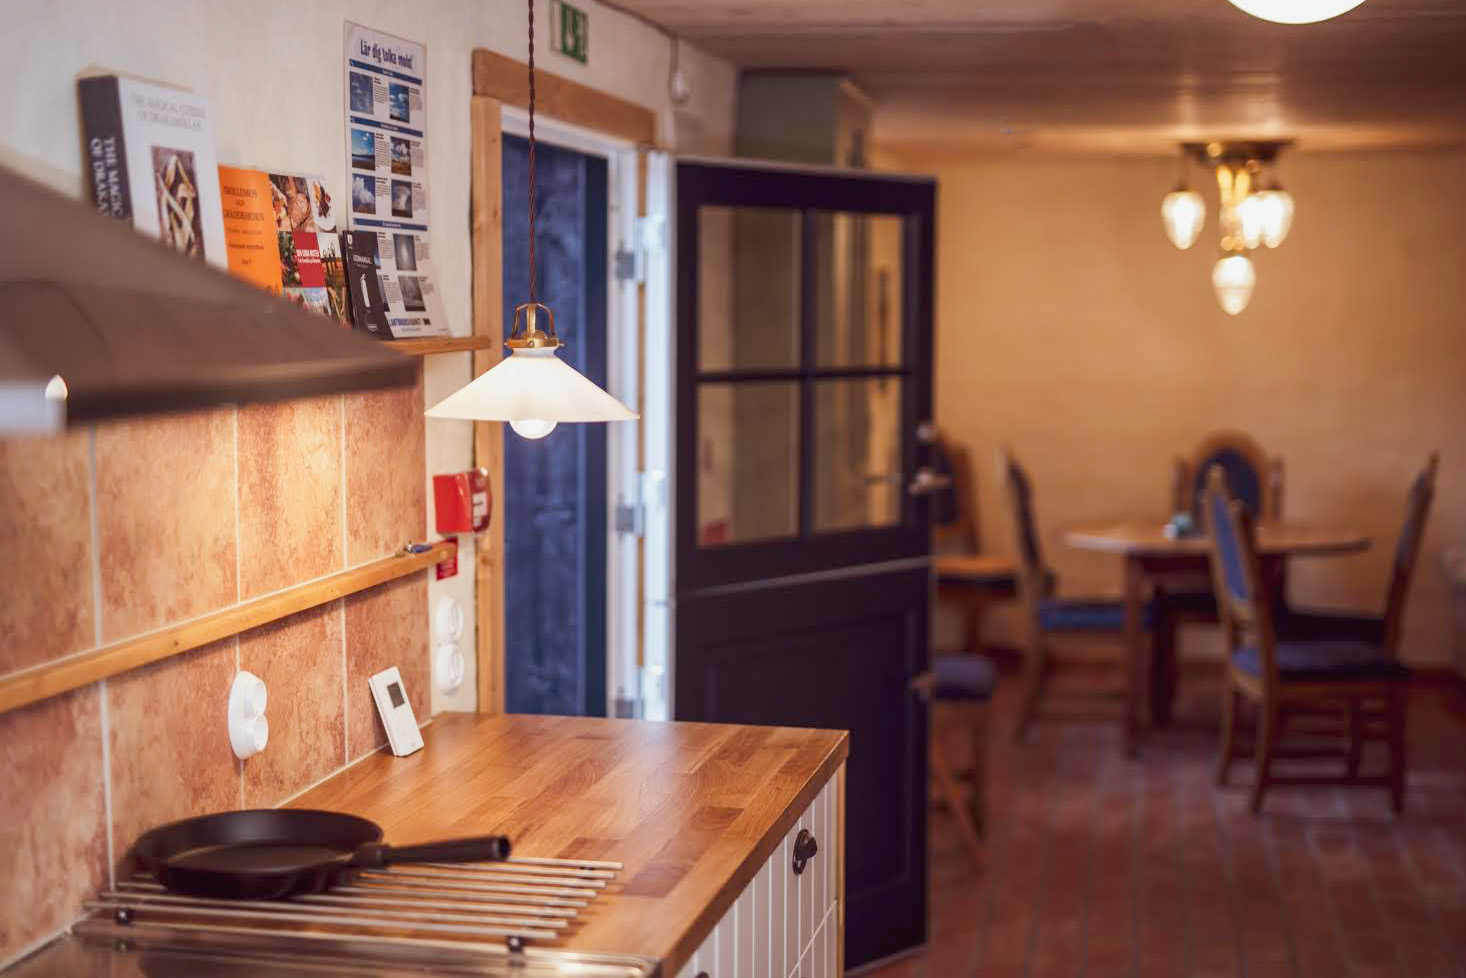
{"points": [[272, 72]]}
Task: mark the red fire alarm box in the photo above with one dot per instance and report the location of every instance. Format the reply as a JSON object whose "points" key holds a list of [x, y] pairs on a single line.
{"points": [[462, 501]]}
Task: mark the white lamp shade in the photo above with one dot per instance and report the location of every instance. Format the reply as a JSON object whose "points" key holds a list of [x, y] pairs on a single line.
{"points": [[532, 385], [1276, 207], [1233, 278], [1184, 213], [1252, 217], [1296, 11]]}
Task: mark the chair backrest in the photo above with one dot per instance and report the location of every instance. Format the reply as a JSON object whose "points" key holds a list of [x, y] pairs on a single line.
{"points": [[1032, 574], [1407, 550], [1252, 478], [954, 507], [1236, 572]]}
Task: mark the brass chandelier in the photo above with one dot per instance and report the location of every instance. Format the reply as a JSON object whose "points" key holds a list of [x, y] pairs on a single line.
{"points": [[1255, 211]]}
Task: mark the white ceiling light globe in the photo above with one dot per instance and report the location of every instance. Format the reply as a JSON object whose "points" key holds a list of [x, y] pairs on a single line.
{"points": [[1233, 278], [1183, 213], [1295, 11], [533, 428]]}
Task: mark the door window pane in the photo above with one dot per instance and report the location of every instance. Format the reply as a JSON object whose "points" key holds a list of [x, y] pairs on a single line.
{"points": [[748, 287], [747, 462], [858, 278], [857, 454]]}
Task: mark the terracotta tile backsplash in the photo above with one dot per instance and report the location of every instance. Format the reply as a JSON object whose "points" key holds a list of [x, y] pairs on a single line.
{"points": [[300, 659], [147, 523], [386, 500], [170, 743], [165, 519], [46, 536], [289, 493], [385, 626], [53, 846]]}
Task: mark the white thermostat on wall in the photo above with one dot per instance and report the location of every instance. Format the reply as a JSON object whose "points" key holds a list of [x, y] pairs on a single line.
{"points": [[396, 711]]}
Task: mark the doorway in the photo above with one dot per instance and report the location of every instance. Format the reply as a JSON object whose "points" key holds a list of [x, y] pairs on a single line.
{"points": [[803, 393], [555, 487]]}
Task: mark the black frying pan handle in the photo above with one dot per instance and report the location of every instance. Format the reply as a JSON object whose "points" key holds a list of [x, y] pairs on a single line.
{"points": [[481, 848]]}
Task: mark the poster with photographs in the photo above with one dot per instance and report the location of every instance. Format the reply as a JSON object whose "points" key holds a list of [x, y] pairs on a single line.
{"points": [[386, 149]]}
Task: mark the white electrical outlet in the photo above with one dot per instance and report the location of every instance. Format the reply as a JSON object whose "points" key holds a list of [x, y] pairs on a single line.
{"points": [[249, 731], [449, 667]]}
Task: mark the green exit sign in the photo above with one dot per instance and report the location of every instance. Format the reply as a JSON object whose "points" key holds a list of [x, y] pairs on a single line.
{"points": [[569, 31]]}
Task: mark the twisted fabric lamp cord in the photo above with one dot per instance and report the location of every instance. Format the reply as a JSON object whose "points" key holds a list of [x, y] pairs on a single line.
{"points": [[533, 277]]}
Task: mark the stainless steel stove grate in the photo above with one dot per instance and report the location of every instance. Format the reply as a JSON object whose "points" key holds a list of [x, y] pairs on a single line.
{"points": [[476, 914]]}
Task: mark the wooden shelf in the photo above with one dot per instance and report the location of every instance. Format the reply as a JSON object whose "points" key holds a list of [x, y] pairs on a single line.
{"points": [[51, 678], [441, 344]]}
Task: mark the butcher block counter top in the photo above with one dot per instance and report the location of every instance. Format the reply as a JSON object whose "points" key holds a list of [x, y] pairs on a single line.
{"points": [[692, 809]]}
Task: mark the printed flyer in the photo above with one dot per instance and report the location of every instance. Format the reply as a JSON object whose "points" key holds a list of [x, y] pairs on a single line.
{"points": [[386, 135]]}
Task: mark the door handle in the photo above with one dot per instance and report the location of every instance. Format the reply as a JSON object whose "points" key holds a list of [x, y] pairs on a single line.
{"points": [[927, 482]]}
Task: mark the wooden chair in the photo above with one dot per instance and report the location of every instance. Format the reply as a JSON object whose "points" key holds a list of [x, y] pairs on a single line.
{"points": [[1382, 630], [1043, 612], [966, 682], [1254, 477], [1289, 678]]}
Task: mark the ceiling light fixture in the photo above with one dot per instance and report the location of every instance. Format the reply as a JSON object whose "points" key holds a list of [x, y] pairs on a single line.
{"points": [[1295, 11], [1249, 216], [532, 388]]}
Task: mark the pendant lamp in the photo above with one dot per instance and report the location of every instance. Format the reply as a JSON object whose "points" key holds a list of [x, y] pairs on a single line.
{"points": [[532, 388], [1296, 11]]}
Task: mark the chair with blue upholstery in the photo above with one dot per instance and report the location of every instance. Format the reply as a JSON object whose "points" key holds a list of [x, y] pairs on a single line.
{"points": [[1044, 612], [1289, 678], [965, 682]]}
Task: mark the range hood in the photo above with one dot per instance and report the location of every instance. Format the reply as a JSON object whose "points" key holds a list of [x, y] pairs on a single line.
{"points": [[98, 322]]}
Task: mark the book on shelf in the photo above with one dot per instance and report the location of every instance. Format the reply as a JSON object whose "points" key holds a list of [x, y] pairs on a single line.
{"points": [[364, 283], [150, 156]]}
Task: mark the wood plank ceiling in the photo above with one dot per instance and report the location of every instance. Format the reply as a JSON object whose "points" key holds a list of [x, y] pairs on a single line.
{"points": [[1111, 76]]}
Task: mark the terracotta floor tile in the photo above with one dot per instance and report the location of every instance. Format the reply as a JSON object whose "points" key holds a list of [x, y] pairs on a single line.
{"points": [[385, 626], [46, 535], [300, 659], [386, 495], [290, 512], [170, 742], [165, 519], [1100, 867], [53, 839]]}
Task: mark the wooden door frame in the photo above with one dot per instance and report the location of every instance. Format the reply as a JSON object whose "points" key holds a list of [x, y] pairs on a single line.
{"points": [[500, 81]]}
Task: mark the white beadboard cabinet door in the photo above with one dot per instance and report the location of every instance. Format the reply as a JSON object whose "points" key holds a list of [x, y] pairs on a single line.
{"points": [[782, 925]]}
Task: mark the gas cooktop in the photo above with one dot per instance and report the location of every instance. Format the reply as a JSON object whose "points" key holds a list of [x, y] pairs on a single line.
{"points": [[487, 919]]}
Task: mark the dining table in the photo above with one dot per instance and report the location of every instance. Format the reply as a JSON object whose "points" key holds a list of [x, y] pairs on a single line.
{"points": [[1150, 555]]}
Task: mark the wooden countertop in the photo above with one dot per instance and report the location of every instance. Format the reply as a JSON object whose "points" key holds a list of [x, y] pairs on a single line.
{"points": [[693, 810]]}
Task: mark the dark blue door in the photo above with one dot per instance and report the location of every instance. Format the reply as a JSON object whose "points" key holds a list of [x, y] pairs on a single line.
{"points": [[555, 487]]}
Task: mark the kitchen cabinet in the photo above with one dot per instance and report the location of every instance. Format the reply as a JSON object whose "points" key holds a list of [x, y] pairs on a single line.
{"points": [[785, 923]]}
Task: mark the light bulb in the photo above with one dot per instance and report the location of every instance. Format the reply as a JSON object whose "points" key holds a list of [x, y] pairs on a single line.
{"points": [[1296, 11], [1183, 212], [1252, 219], [1233, 278], [532, 428], [1276, 209]]}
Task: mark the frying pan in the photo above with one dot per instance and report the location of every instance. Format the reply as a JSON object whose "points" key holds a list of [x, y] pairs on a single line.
{"points": [[270, 853]]}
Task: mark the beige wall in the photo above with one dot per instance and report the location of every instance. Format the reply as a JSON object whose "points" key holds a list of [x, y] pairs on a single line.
{"points": [[1069, 327]]}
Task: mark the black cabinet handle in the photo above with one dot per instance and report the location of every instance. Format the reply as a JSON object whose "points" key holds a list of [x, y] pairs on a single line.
{"points": [[805, 849]]}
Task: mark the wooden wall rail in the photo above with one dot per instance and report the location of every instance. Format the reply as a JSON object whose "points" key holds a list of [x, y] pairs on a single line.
{"points": [[52, 678]]}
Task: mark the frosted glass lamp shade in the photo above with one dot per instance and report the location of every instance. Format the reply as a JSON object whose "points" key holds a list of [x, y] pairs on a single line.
{"points": [[1233, 278], [1183, 212], [1275, 215], [1252, 220], [1296, 11], [534, 390]]}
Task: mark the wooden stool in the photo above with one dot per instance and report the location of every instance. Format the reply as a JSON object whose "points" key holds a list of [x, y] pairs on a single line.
{"points": [[968, 680]]}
